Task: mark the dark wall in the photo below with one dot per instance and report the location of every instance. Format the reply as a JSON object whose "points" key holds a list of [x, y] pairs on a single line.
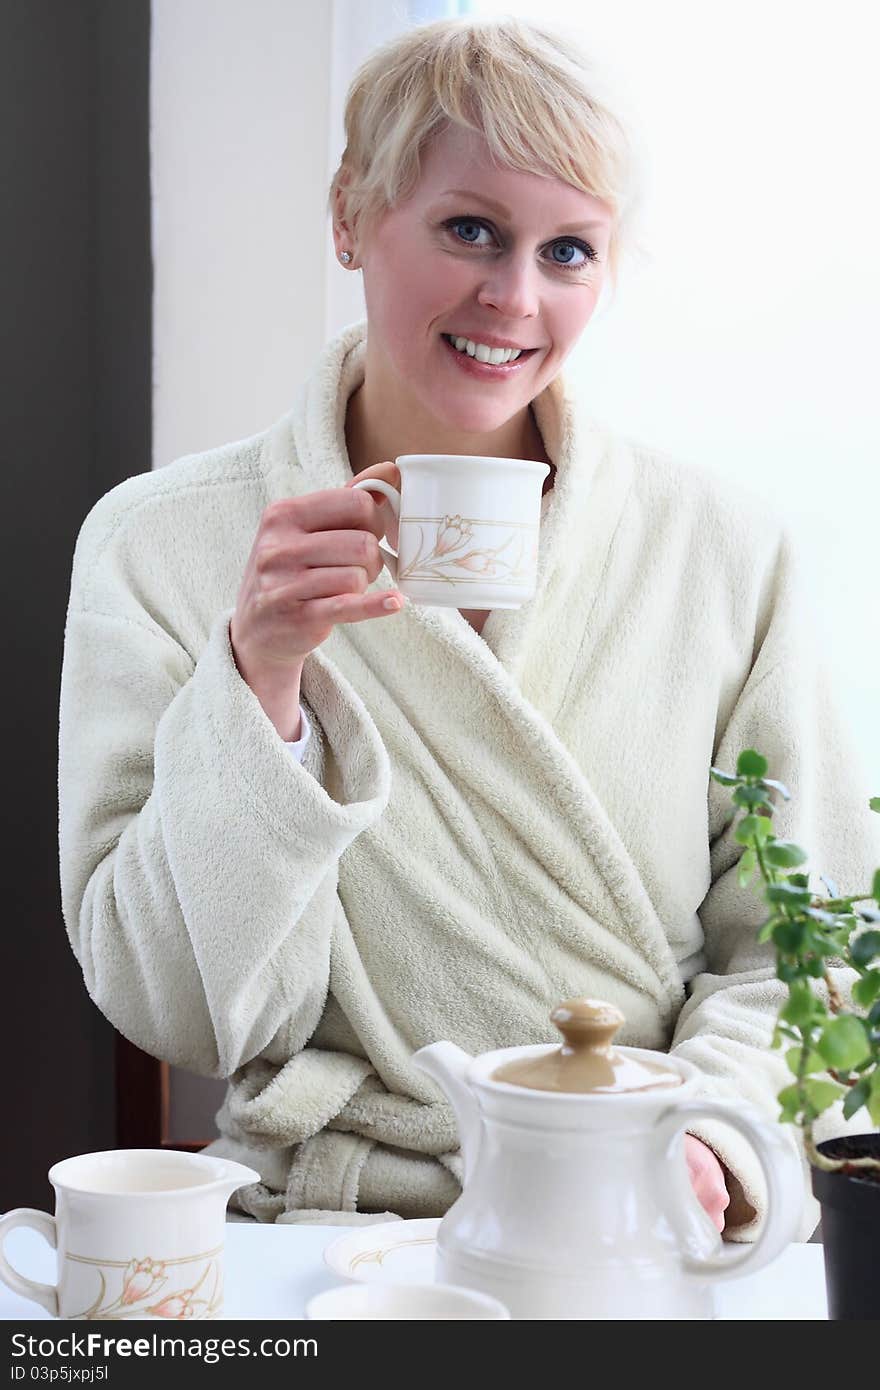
{"points": [[76, 377]]}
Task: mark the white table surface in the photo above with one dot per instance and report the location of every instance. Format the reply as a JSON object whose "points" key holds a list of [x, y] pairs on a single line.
{"points": [[271, 1271]]}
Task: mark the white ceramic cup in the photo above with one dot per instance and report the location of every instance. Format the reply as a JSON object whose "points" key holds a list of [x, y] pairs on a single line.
{"points": [[468, 529], [140, 1233], [403, 1302]]}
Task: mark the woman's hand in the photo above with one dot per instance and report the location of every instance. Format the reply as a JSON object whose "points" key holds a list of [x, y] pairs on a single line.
{"points": [[310, 566], [389, 473], [707, 1179]]}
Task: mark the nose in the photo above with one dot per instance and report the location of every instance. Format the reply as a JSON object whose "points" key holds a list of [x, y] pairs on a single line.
{"points": [[510, 286]]}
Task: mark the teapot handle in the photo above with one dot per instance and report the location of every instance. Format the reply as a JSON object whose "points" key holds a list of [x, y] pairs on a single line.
{"points": [[782, 1174]]}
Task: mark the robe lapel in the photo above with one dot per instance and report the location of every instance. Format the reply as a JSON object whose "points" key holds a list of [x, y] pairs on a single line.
{"points": [[484, 705]]}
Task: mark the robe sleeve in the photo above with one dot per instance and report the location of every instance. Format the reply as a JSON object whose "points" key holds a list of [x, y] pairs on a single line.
{"points": [[788, 711], [198, 858]]}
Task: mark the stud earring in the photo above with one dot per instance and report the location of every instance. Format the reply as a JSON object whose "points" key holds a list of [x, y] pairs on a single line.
{"points": [[345, 257]]}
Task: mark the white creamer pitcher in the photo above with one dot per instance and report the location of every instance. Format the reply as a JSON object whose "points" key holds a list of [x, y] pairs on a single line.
{"points": [[576, 1199], [140, 1233]]}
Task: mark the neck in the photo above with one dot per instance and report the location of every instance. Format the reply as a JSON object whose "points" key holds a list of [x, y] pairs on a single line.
{"points": [[370, 439]]}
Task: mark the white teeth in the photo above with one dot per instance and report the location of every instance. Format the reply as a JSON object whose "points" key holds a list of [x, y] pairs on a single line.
{"points": [[483, 353]]}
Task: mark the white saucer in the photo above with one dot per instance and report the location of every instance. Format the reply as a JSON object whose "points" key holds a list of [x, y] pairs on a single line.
{"points": [[392, 1252]]}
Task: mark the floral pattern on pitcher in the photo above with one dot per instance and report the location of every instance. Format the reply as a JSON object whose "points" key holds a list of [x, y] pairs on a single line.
{"points": [[454, 549], [143, 1279]]}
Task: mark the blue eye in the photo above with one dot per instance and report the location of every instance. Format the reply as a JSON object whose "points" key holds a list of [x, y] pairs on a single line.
{"points": [[474, 227], [477, 225]]}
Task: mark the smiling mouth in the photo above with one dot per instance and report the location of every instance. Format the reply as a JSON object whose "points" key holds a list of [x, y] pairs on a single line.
{"points": [[522, 355]]}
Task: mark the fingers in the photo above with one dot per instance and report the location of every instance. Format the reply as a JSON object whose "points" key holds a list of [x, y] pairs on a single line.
{"points": [[707, 1179], [353, 608], [336, 550], [387, 471], [328, 582], [337, 508]]}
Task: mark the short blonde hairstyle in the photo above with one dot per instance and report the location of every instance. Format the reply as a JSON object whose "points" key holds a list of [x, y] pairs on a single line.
{"points": [[528, 89]]}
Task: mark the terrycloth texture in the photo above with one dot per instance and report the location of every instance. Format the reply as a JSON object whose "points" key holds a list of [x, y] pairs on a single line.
{"points": [[481, 826]]}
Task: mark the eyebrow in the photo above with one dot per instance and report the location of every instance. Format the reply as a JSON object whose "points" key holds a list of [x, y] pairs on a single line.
{"points": [[505, 211]]}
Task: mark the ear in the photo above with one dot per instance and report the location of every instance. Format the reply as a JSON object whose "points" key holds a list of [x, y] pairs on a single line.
{"points": [[342, 235]]}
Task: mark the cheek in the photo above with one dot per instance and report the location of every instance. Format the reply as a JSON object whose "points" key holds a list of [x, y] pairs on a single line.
{"points": [[566, 318], [405, 286]]}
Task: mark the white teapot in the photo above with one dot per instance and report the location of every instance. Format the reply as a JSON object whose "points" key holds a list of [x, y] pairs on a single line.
{"points": [[576, 1198]]}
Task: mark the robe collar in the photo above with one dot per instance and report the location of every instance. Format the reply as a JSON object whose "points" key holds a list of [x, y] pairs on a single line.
{"points": [[313, 433]]}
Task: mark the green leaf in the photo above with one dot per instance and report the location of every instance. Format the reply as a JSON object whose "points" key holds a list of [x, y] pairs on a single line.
{"points": [[782, 1030], [874, 1015], [867, 989], [844, 1042], [858, 1096], [751, 796], [788, 973], [777, 787], [821, 1094], [789, 936], [751, 764], [818, 915], [874, 803], [875, 890], [801, 1005], [753, 828], [865, 947], [747, 866], [839, 904], [787, 893], [816, 967], [793, 1061], [783, 854], [789, 1099], [874, 1098], [723, 777], [799, 880], [767, 929]]}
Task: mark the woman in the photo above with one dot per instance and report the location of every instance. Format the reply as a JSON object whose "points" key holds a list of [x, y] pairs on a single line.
{"points": [[307, 827]]}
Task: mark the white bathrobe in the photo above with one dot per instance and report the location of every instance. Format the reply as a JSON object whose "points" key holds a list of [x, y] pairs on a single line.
{"points": [[482, 827]]}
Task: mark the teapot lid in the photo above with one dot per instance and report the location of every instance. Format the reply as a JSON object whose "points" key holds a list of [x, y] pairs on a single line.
{"points": [[586, 1061]]}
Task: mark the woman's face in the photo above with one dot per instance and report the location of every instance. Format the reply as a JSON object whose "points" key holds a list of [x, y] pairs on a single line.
{"points": [[449, 262]]}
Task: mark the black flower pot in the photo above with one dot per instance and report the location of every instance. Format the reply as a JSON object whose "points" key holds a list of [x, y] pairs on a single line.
{"points": [[850, 1229]]}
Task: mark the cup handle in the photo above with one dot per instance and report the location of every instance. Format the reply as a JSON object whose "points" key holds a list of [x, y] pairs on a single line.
{"points": [[378, 485], [46, 1294], [782, 1174]]}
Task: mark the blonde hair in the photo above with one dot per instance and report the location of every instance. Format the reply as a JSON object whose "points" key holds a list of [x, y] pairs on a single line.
{"points": [[528, 89]]}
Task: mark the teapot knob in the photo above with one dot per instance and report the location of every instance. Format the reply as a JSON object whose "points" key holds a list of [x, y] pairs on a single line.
{"points": [[587, 1025]]}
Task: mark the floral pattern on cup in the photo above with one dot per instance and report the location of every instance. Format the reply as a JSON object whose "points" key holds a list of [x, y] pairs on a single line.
{"points": [[453, 549], [143, 1279]]}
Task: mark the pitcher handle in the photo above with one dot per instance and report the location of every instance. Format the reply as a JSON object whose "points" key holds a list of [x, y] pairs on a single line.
{"points": [[782, 1174], [379, 485], [46, 1294]]}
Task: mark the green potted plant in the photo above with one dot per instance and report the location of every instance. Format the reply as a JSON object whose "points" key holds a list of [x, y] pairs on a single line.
{"points": [[832, 1047]]}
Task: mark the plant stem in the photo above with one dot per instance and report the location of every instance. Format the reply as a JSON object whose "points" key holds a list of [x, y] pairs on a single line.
{"points": [[834, 998], [832, 1165], [864, 898], [763, 867]]}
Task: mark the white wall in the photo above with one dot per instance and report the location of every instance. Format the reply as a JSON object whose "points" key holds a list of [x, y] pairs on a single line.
{"points": [[746, 339], [240, 102]]}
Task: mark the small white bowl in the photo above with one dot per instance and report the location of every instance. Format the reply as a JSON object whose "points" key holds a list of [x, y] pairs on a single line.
{"points": [[403, 1302]]}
